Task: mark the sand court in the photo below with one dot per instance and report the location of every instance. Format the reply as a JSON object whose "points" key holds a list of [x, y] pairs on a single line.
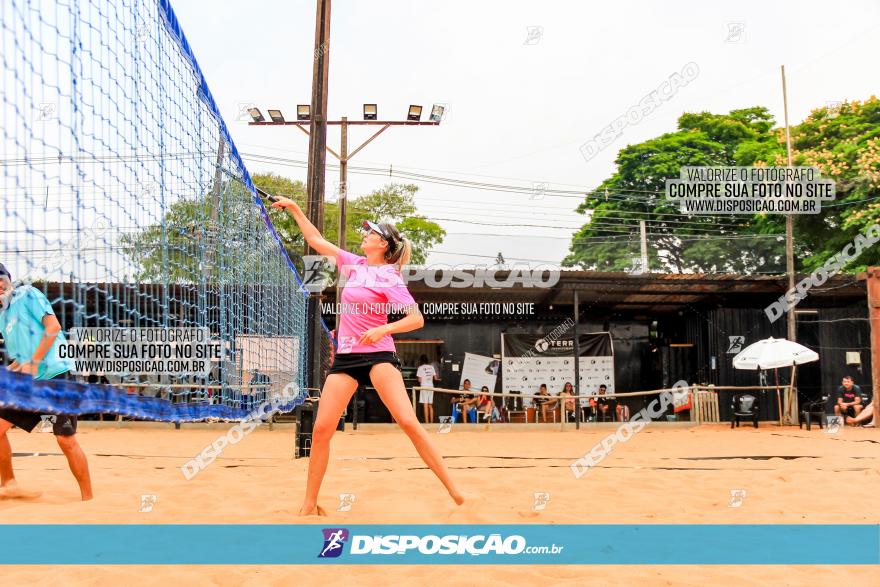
{"points": [[664, 474]]}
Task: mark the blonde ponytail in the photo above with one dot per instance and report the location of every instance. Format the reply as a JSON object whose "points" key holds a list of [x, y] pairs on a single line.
{"points": [[402, 247], [404, 254]]}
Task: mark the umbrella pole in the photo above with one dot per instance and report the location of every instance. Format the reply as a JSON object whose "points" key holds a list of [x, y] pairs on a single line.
{"points": [[789, 402], [778, 398]]}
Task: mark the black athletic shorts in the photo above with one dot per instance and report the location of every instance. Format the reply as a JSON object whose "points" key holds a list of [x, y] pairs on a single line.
{"points": [[62, 425], [358, 365]]}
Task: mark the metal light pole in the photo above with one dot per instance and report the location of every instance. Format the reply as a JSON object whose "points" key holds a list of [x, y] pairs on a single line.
{"points": [[317, 133], [343, 157]]}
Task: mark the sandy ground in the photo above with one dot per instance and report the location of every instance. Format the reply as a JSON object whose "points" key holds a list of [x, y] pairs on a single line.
{"points": [[664, 474]]}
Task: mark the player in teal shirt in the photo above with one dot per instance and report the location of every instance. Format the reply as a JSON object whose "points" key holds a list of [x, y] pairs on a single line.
{"points": [[22, 329], [32, 334]]}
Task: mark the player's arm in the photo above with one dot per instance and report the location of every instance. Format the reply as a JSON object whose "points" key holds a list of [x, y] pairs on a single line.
{"points": [[412, 321], [310, 232], [52, 327]]}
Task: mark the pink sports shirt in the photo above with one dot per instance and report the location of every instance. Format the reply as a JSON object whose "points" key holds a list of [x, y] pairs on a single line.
{"points": [[369, 292]]}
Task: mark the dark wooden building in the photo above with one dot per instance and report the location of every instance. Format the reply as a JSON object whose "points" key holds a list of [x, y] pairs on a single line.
{"points": [[664, 327]]}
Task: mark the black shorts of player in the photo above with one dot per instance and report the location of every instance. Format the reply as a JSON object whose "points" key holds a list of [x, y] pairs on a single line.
{"points": [[358, 365], [62, 425]]}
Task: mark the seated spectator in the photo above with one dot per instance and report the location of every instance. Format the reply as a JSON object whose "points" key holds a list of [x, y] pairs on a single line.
{"points": [[545, 401], [466, 403], [849, 399], [568, 401], [604, 404], [592, 409], [486, 406]]}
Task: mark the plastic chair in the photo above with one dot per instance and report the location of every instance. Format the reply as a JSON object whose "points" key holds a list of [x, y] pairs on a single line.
{"points": [[812, 410], [743, 406]]}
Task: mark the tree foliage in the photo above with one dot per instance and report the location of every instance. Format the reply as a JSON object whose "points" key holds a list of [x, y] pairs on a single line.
{"points": [[192, 243], [843, 143]]}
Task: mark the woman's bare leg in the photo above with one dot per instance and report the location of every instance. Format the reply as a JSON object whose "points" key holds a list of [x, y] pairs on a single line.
{"points": [[866, 414], [337, 392], [389, 385]]}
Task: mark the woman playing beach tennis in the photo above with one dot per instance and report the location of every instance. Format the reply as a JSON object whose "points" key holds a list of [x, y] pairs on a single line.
{"points": [[365, 352]]}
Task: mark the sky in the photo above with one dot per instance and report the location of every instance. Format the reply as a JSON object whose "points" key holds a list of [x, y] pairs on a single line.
{"points": [[526, 84]]}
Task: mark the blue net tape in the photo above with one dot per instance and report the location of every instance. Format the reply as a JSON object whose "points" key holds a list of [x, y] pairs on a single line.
{"points": [[22, 392]]}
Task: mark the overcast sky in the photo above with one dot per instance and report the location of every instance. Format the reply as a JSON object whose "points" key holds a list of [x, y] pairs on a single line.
{"points": [[521, 100]]}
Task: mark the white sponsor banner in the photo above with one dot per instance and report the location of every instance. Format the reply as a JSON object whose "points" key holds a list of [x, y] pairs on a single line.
{"points": [[480, 370], [526, 374]]}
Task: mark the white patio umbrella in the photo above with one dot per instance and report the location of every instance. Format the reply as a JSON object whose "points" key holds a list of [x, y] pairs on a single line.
{"points": [[772, 353]]}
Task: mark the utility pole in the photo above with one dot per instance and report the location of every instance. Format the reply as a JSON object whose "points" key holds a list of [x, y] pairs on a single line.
{"points": [[791, 403], [789, 221], [873, 280], [343, 202], [644, 237], [343, 178], [577, 363], [316, 170]]}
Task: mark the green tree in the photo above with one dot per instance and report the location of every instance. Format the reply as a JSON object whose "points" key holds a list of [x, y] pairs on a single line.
{"points": [[391, 203], [198, 239], [678, 243], [844, 143], [188, 246]]}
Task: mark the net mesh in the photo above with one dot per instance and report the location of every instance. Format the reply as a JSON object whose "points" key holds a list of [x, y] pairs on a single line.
{"points": [[125, 201]]}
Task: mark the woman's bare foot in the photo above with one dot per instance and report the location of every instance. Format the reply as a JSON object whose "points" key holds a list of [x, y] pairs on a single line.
{"points": [[314, 511], [12, 490]]}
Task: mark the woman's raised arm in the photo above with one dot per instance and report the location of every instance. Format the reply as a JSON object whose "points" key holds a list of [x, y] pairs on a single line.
{"points": [[310, 232]]}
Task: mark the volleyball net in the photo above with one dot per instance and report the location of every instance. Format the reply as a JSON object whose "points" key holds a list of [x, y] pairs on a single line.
{"points": [[125, 202]]}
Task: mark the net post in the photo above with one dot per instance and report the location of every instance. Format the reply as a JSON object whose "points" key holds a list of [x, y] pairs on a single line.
{"points": [[577, 364]]}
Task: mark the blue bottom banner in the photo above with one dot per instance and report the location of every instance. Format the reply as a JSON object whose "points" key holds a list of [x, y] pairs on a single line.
{"points": [[584, 544]]}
